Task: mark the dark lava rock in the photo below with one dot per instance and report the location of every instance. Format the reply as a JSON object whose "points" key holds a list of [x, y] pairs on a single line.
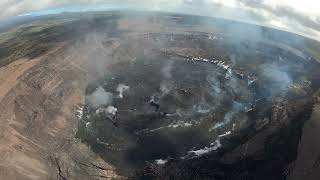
{"points": [[265, 155]]}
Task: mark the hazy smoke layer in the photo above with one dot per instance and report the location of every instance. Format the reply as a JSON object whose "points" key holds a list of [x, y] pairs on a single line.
{"points": [[99, 97], [278, 77], [166, 70], [166, 85]]}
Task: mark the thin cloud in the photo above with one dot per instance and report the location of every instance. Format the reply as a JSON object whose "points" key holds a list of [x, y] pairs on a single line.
{"points": [[301, 17]]}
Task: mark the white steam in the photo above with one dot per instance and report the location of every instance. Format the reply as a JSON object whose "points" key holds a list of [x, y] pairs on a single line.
{"points": [[236, 108], [99, 97], [278, 77], [111, 110], [166, 85], [166, 70], [214, 146], [161, 161], [121, 88]]}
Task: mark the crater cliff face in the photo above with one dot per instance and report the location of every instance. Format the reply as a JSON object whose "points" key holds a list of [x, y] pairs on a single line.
{"points": [[135, 95]]}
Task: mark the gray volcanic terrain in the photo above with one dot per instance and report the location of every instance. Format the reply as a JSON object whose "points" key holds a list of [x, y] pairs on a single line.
{"points": [[132, 95]]}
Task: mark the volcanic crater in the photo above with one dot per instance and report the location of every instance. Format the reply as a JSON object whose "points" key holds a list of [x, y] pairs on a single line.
{"points": [[180, 96], [139, 95]]}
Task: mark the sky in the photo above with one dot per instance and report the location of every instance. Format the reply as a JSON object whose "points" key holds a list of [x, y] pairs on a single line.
{"points": [[298, 16]]}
